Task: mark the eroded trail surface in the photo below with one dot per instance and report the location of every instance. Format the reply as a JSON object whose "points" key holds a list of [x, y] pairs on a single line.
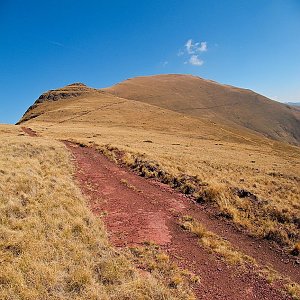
{"points": [[140, 210], [29, 131]]}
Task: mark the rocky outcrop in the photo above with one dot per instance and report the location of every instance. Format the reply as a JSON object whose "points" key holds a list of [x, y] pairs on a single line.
{"points": [[76, 89]]}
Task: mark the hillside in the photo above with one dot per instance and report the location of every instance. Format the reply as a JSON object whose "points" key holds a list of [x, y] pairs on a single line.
{"points": [[223, 154], [217, 102], [243, 186], [52, 246]]}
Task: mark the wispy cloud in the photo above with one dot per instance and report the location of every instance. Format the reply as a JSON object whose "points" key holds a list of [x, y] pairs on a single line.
{"points": [[63, 46], [56, 43], [189, 46], [195, 60], [194, 47], [203, 47], [192, 50]]}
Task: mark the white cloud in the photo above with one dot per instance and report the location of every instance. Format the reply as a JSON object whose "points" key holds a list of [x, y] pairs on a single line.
{"points": [[203, 47], [192, 51], [195, 60], [192, 47], [189, 46], [165, 63]]}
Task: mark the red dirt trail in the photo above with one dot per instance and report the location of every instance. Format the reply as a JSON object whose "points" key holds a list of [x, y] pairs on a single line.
{"points": [[29, 131], [140, 210]]}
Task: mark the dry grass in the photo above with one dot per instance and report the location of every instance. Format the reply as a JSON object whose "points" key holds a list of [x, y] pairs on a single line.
{"points": [[219, 103], [215, 243], [8, 130], [152, 260], [51, 246], [293, 290], [129, 185]]}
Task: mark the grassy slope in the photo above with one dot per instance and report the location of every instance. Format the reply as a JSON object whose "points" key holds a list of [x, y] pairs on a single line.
{"points": [[51, 246], [220, 103], [224, 157]]}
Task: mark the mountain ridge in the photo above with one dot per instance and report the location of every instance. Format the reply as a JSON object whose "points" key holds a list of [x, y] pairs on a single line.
{"points": [[195, 97]]}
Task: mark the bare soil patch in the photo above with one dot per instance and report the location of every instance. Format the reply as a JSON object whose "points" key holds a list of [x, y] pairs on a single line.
{"points": [[29, 131]]}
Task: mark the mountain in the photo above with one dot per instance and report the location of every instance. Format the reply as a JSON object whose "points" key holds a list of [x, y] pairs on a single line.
{"points": [[188, 96], [293, 103], [68, 92], [220, 103]]}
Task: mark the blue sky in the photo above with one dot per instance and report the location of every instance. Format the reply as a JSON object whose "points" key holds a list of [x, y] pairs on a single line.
{"points": [[48, 44]]}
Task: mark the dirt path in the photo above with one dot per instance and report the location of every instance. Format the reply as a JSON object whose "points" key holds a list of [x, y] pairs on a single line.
{"points": [[29, 131], [141, 210]]}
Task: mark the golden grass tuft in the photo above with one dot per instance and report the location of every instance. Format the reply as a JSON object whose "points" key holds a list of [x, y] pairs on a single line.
{"points": [[293, 290], [129, 185], [151, 260], [215, 243]]}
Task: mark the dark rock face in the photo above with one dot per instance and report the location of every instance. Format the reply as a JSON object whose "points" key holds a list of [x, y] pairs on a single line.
{"points": [[72, 90], [77, 84], [54, 96]]}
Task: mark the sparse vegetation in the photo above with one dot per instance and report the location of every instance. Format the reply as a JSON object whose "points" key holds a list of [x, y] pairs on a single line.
{"points": [[151, 259], [215, 243], [130, 186], [294, 290], [51, 246], [224, 249]]}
